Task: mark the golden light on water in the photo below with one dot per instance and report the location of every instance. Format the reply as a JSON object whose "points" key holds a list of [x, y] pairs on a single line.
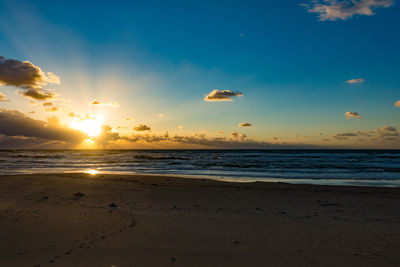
{"points": [[91, 125]]}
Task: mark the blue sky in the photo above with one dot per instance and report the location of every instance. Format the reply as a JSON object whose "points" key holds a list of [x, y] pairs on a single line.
{"points": [[158, 57]]}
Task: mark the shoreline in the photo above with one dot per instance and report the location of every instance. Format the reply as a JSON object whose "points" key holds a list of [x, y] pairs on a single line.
{"points": [[387, 183], [142, 220]]}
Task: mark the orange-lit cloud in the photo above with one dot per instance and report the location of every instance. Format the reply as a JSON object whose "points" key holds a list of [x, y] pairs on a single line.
{"points": [[3, 98], [224, 95], [111, 104], [353, 81], [352, 115], [49, 107], [344, 9], [73, 115], [245, 124], [397, 104]]}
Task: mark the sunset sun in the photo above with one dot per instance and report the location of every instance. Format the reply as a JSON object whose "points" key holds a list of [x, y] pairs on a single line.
{"points": [[91, 126]]}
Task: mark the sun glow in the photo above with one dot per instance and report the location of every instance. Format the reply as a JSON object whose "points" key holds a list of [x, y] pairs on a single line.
{"points": [[92, 172], [90, 125]]}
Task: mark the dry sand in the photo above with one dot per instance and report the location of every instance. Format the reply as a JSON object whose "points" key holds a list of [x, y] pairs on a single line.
{"points": [[162, 221]]}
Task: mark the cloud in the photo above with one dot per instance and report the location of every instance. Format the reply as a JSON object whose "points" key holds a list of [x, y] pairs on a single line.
{"points": [[129, 119], [345, 9], [37, 94], [224, 95], [388, 129], [86, 117], [106, 136], [25, 75], [386, 134], [15, 123], [397, 104], [47, 104], [343, 136], [51, 109], [220, 132], [236, 140], [160, 115], [142, 128], [352, 115], [353, 81], [111, 104], [245, 124], [3, 98], [74, 115], [180, 126]]}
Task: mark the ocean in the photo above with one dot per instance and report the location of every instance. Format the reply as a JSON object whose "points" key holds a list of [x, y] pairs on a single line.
{"points": [[327, 167]]}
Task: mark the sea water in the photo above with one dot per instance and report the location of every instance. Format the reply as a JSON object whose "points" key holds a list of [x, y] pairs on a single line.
{"points": [[333, 167]]}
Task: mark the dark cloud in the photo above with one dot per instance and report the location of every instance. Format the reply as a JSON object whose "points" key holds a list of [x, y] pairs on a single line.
{"points": [[142, 128], [224, 95], [345, 9], [25, 75], [15, 123], [386, 134], [23, 142], [245, 124], [37, 94]]}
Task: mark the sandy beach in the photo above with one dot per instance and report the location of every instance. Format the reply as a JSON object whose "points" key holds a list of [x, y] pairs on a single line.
{"points": [[117, 220]]}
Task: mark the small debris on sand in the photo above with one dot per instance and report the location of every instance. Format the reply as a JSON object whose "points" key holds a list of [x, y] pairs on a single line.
{"points": [[112, 205], [79, 195]]}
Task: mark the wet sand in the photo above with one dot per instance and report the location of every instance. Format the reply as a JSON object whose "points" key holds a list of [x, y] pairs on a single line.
{"points": [[116, 220]]}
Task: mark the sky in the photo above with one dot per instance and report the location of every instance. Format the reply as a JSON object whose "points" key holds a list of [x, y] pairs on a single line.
{"points": [[200, 74]]}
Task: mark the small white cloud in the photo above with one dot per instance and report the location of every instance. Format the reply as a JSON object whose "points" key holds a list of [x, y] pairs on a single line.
{"points": [[352, 115], [160, 115], [355, 81], [345, 9]]}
